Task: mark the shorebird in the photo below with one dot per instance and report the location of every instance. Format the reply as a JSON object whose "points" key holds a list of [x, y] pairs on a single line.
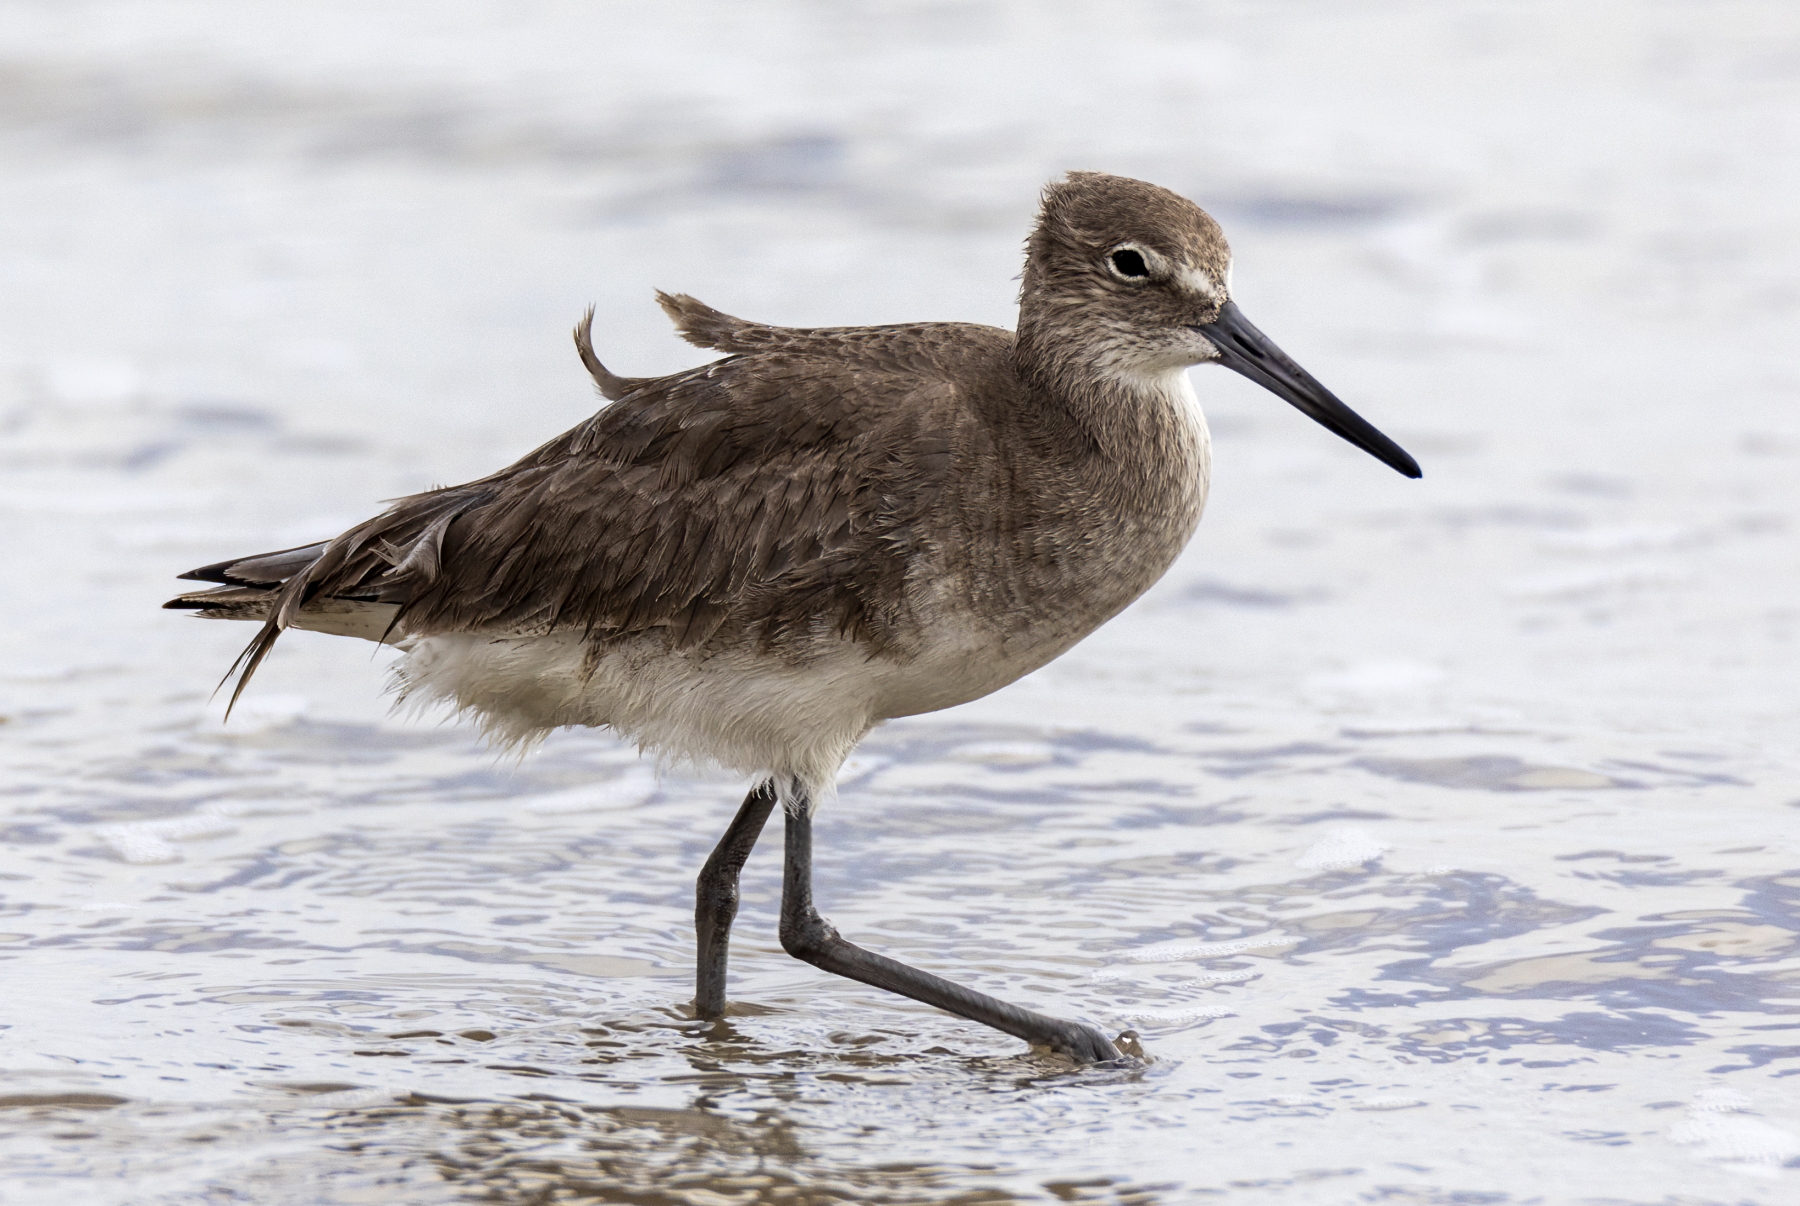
{"points": [[754, 562]]}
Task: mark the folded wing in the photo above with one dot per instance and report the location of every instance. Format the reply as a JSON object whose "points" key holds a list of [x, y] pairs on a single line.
{"points": [[773, 496]]}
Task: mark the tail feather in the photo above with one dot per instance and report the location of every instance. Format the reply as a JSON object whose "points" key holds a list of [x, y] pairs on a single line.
{"points": [[612, 386], [226, 602], [251, 657], [261, 589], [705, 327], [263, 569]]}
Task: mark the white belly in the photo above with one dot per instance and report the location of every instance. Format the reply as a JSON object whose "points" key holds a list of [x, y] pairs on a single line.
{"points": [[749, 714]]}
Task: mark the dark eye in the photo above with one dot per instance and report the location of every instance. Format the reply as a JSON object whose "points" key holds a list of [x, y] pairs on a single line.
{"points": [[1126, 262]]}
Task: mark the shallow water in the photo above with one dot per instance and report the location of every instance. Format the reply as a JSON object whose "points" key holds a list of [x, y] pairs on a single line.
{"points": [[1438, 838]]}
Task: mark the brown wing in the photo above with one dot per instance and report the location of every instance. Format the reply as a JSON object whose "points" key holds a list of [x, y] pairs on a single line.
{"points": [[775, 493], [766, 490]]}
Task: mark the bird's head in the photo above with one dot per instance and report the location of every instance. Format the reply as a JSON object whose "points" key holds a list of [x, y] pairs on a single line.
{"points": [[1135, 282]]}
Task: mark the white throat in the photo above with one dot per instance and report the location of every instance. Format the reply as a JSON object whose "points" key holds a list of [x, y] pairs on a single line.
{"points": [[1170, 388]]}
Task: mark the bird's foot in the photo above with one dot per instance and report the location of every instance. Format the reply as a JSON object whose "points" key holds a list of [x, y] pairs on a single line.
{"points": [[1086, 1045], [1131, 1046]]}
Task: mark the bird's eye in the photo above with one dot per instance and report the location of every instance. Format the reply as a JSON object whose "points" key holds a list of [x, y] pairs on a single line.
{"points": [[1129, 263]]}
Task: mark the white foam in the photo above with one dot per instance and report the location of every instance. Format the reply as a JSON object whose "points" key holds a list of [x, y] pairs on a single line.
{"points": [[1388, 1103], [1008, 754], [1719, 1125], [1175, 1016], [1113, 974], [151, 841], [1343, 848], [639, 782], [1215, 950]]}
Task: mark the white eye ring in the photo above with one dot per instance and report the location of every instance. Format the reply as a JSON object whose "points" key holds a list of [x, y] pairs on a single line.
{"points": [[1133, 263]]}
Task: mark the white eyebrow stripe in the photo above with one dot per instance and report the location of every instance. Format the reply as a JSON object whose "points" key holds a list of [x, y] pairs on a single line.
{"points": [[1195, 281]]}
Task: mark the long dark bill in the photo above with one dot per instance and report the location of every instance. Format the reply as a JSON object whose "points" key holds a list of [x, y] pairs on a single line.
{"points": [[1246, 350]]}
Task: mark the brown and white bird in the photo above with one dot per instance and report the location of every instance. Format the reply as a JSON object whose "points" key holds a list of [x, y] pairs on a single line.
{"points": [[754, 562]]}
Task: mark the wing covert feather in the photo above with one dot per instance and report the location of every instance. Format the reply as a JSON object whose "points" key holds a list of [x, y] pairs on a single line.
{"points": [[774, 493]]}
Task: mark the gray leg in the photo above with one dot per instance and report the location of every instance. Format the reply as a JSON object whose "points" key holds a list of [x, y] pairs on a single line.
{"points": [[808, 936], [716, 898]]}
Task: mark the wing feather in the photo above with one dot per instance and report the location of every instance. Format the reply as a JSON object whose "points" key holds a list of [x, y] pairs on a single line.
{"points": [[782, 491]]}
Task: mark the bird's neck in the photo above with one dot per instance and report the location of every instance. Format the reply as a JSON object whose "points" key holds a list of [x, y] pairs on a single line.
{"points": [[1140, 423]]}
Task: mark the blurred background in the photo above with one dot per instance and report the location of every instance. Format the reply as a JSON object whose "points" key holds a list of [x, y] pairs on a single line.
{"points": [[262, 266]]}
